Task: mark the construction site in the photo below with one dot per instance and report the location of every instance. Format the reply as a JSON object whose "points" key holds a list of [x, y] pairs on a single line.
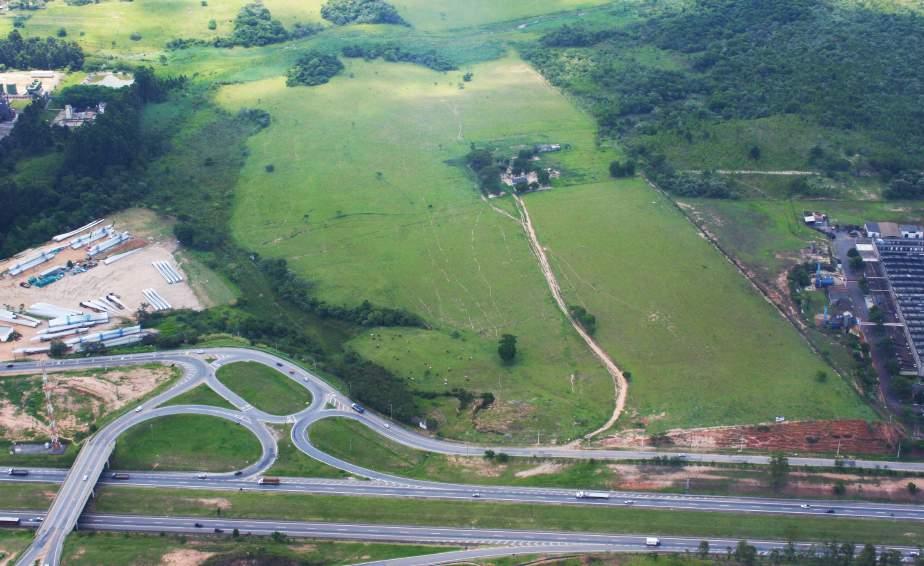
{"points": [[82, 291]]}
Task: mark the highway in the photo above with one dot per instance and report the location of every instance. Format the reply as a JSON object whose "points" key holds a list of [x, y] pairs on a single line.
{"points": [[199, 368], [490, 542]]}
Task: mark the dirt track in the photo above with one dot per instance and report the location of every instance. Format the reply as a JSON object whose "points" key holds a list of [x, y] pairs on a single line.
{"points": [[619, 379]]}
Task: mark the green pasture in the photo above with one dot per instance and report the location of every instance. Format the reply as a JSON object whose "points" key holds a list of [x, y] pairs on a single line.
{"points": [[354, 442], [363, 202], [451, 14], [186, 443], [703, 347], [200, 395], [265, 388], [105, 28], [119, 549], [292, 462]]}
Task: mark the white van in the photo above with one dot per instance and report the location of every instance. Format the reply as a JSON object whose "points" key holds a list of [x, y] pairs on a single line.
{"points": [[652, 541]]}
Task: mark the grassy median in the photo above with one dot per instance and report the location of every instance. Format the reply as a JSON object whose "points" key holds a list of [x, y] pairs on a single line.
{"points": [[98, 549], [293, 506], [265, 388], [26, 495], [290, 461], [201, 395]]}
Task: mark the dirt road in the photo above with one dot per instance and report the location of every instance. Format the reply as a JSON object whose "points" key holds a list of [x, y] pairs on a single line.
{"points": [[619, 379]]}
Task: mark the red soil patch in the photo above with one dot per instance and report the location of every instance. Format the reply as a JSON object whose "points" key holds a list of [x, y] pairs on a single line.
{"points": [[851, 437]]}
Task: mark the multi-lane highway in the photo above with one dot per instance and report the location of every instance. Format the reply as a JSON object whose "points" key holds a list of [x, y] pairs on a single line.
{"points": [[199, 367], [489, 542]]}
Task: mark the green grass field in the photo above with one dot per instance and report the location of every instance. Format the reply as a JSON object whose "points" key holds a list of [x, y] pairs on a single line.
{"points": [[292, 462], [265, 388], [353, 442], [200, 395], [450, 14], [13, 541], [184, 502], [27, 495], [418, 236], [104, 28], [702, 346], [186, 443], [121, 549]]}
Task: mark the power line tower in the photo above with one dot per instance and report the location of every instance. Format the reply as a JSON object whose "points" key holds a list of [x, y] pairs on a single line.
{"points": [[55, 440]]}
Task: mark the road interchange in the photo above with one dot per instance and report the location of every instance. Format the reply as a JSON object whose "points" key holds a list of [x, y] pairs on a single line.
{"points": [[199, 368]]}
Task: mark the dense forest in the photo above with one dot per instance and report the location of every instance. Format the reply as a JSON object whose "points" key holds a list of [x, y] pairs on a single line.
{"points": [[344, 12], [94, 173], [838, 65], [17, 52], [394, 53]]}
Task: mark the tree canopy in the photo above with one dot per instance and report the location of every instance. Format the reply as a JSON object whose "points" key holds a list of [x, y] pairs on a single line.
{"points": [[17, 52], [313, 68], [344, 12]]}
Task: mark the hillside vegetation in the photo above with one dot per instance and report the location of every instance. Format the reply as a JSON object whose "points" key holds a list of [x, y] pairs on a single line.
{"points": [[839, 65]]}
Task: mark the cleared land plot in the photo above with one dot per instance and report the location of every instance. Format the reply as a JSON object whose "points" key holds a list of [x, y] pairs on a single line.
{"points": [[12, 542], [353, 442], [703, 347], [501, 515], [186, 443], [95, 549], [265, 388], [403, 228], [79, 399]]}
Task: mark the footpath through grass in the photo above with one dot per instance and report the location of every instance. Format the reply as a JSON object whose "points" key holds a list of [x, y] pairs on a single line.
{"points": [[348, 440], [186, 443], [265, 388], [104, 549], [484, 514]]}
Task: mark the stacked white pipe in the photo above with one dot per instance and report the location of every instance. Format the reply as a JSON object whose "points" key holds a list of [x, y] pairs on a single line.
{"points": [[112, 298], [154, 299], [106, 337], [117, 257], [47, 310], [88, 239], [109, 244], [84, 319], [39, 259], [16, 318], [48, 336], [170, 274], [67, 235]]}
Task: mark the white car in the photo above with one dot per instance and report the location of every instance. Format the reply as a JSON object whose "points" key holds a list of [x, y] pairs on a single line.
{"points": [[805, 506], [200, 351], [202, 476], [138, 409], [86, 477]]}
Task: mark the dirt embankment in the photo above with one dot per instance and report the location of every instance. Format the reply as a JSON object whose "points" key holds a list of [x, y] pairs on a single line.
{"points": [[78, 400], [846, 437]]}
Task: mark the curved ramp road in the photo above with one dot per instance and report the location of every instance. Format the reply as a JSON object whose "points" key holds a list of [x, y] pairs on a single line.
{"points": [[79, 481]]}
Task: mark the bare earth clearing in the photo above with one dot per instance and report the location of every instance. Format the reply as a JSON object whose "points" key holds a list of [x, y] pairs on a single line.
{"points": [[80, 399]]}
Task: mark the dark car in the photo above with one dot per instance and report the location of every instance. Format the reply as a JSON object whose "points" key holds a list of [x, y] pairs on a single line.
{"points": [[278, 365], [217, 530], [198, 525], [9, 365], [830, 511], [237, 473]]}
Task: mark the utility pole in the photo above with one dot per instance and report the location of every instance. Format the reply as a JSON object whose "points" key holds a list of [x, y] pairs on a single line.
{"points": [[838, 455], [55, 440]]}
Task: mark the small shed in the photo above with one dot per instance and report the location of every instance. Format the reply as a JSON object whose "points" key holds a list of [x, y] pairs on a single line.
{"points": [[911, 231]]}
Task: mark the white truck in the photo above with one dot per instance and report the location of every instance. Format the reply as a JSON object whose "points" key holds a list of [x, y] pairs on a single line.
{"points": [[652, 541], [592, 495]]}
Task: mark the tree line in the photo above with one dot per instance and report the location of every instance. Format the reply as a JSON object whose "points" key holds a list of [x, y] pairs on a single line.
{"points": [[394, 53], [254, 26], [95, 173], [17, 52]]}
